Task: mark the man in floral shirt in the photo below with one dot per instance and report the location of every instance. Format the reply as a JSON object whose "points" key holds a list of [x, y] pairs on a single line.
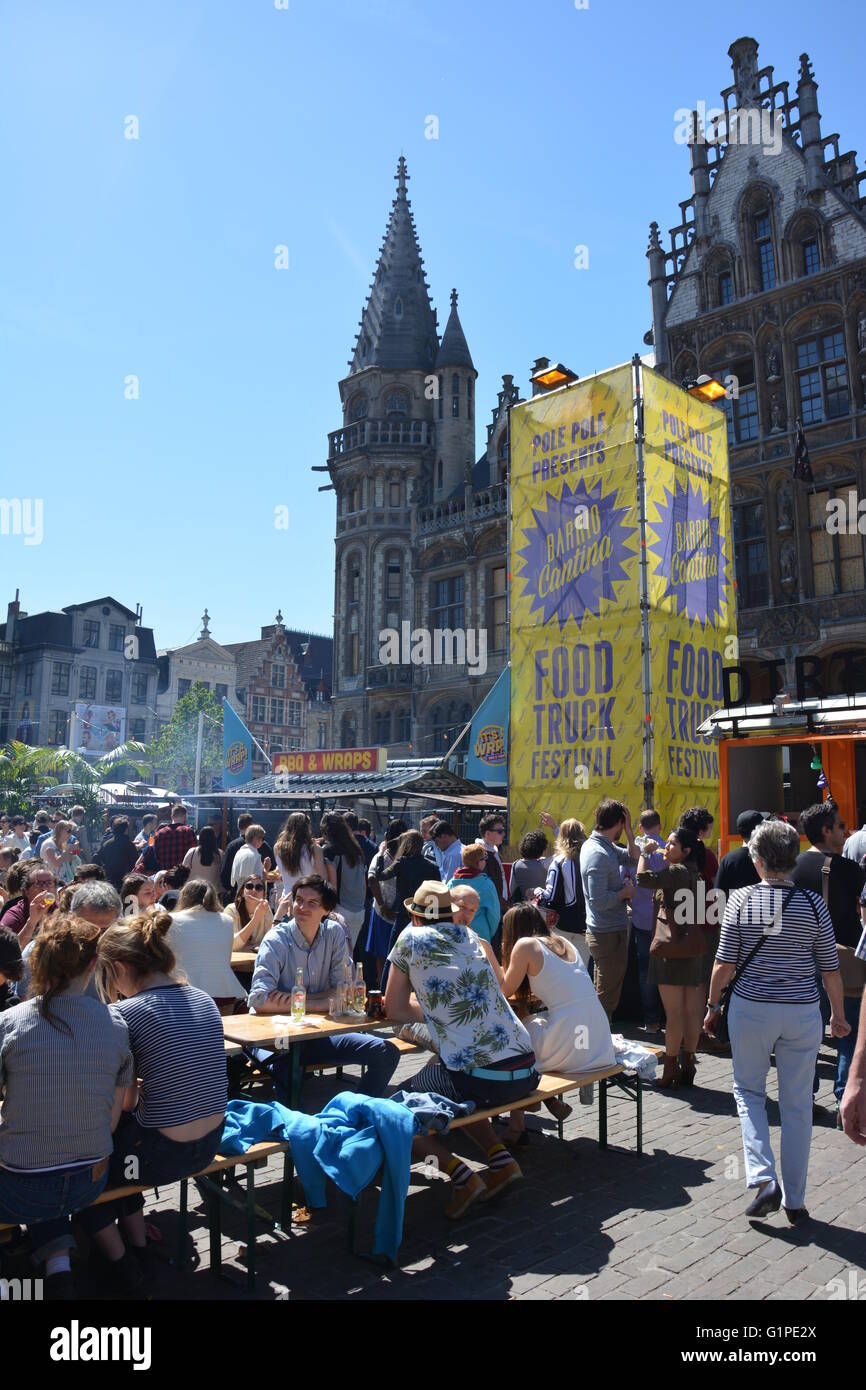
{"points": [[443, 977]]}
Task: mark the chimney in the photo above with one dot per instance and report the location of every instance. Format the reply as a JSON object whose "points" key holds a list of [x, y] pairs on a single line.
{"points": [[12, 611]]}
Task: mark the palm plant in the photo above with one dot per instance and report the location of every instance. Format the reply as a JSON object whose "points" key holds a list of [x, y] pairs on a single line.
{"points": [[25, 771]]}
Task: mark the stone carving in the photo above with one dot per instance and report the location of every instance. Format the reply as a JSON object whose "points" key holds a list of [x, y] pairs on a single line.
{"points": [[788, 563], [773, 362], [784, 507], [861, 333], [777, 414]]}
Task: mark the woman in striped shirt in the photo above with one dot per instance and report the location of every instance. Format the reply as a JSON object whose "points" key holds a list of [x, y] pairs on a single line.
{"points": [[774, 1008], [174, 1115]]}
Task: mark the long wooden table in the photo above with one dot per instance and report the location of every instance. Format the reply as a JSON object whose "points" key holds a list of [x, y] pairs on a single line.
{"points": [[244, 961], [277, 1031]]}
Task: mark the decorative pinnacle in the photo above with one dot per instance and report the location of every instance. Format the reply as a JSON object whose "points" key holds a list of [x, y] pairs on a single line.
{"points": [[453, 299], [401, 176], [806, 72]]}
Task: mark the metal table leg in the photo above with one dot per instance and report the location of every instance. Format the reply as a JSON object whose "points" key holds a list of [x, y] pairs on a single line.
{"points": [[602, 1113]]}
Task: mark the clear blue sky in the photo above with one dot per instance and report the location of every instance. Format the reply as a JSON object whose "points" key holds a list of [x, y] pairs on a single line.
{"points": [[260, 127]]}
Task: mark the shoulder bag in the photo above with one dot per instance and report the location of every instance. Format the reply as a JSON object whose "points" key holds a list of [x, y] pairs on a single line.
{"points": [[851, 968], [722, 1033]]}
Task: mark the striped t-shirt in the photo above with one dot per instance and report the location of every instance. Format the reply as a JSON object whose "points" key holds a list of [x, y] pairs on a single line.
{"points": [[783, 970], [178, 1048]]}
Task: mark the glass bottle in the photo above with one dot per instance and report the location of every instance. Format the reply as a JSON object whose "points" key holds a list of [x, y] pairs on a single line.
{"points": [[299, 998], [359, 993]]}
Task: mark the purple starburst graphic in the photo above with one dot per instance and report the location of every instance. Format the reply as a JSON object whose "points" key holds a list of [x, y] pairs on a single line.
{"points": [[690, 554], [575, 553]]}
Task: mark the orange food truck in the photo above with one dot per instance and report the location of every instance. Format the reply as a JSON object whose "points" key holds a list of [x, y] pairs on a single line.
{"points": [[785, 756]]}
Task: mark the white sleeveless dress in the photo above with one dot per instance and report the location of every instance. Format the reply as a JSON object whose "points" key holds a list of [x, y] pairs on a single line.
{"points": [[574, 1034]]}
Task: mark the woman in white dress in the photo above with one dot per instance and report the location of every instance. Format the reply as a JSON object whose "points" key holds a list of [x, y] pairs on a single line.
{"points": [[573, 1034]]}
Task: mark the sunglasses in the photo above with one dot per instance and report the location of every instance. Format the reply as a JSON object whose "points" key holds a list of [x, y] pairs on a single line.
{"points": [[255, 888]]}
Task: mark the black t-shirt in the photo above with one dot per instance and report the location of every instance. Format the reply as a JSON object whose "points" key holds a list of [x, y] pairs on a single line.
{"points": [[846, 882], [736, 870]]}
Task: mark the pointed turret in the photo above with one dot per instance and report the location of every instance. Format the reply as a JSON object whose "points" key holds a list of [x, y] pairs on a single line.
{"points": [[455, 430], [398, 325], [454, 349]]}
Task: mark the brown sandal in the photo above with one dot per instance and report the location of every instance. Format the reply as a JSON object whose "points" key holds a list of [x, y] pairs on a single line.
{"points": [[669, 1079]]}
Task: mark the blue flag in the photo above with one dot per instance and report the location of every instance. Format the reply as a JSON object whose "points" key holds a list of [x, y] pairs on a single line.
{"points": [[488, 738], [237, 749]]}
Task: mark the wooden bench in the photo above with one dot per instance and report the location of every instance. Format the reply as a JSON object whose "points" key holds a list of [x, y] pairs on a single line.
{"points": [[215, 1195], [554, 1084]]}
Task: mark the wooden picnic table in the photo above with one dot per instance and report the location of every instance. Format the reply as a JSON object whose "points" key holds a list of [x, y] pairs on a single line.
{"points": [[245, 961], [278, 1032]]}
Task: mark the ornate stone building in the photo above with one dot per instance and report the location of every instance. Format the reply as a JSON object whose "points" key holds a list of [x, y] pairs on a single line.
{"points": [[283, 690], [421, 522], [764, 288]]}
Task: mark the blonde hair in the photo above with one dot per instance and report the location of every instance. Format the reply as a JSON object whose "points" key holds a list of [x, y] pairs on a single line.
{"points": [[570, 838], [138, 943]]}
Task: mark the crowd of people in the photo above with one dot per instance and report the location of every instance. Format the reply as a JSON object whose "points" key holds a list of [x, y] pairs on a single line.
{"points": [[116, 965]]}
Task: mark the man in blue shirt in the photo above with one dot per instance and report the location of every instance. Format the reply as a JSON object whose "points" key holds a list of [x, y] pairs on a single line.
{"points": [[314, 943], [447, 849]]}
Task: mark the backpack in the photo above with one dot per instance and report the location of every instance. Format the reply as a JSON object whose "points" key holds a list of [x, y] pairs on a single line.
{"points": [[573, 917]]}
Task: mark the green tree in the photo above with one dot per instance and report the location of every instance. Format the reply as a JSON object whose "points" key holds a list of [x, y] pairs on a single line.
{"points": [[173, 753], [25, 771]]}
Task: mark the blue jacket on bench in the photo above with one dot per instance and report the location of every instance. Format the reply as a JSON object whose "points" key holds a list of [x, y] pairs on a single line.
{"points": [[347, 1142]]}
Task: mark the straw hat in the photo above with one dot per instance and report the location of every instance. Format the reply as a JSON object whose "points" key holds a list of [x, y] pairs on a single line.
{"points": [[432, 901]]}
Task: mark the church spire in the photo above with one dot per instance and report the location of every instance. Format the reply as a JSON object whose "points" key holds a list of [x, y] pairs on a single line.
{"points": [[398, 325]]}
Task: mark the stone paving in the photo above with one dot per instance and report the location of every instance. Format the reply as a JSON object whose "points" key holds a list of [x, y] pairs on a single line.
{"points": [[584, 1224]]}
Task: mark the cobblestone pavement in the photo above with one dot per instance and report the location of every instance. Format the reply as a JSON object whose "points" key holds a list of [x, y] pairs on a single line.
{"points": [[584, 1224]]}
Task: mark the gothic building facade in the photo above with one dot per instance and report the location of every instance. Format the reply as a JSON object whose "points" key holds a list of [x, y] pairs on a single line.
{"points": [[764, 288], [421, 521]]}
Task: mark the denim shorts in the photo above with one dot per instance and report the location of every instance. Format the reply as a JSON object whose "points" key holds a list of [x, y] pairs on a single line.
{"points": [[158, 1162]]}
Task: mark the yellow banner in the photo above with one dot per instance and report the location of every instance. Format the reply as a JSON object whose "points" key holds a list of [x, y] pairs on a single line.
{"points": [[576, 702], [692, 611]]}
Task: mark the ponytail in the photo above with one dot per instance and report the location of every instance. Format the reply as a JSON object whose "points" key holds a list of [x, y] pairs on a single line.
{"points": [[59, 956]]}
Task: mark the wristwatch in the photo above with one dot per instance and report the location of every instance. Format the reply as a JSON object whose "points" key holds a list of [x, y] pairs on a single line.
{"points": [[713, 1008]]}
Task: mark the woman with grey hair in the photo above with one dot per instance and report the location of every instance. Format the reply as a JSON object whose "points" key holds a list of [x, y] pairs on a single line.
{"points": [[773, 934]]}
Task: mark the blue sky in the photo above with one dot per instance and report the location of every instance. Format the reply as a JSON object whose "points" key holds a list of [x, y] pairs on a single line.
{"points": [[261, 127]]}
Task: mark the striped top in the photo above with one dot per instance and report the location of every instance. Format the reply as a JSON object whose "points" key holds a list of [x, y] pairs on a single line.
{"points": [[783, 971], [59, 1083], [177, 1043]]}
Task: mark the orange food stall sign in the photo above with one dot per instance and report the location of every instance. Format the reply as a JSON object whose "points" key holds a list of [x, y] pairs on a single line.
{"points": [[325, 760]]}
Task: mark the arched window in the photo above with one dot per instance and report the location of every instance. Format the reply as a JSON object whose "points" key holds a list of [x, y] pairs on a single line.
{"points": [[455, 395], [719, 281], [439, 474], [382, 728], [469, 397], [398, 308], [353, 648], [396, 403], [762, 234], [439, 379], [354, 577], [347, 731], [358, 407]]}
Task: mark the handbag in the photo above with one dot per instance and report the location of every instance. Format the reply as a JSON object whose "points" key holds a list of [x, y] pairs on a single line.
{"points": [[722, 1033], [677, 940], [851, 968]]}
